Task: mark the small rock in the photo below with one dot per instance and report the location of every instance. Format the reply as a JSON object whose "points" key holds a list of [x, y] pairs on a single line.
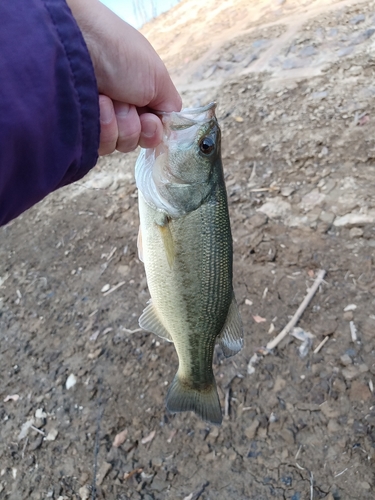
{"points": [[95, 354], [319, 96], [251, 431], [355, 232], [258, 220], [350, 307], [333, 426], [350, 372], [365, 485], [71, 381], [103, 471], [327, 217], [40, 413], [312, 199], [37, 443], [287, 191], [357, 19], [158, 485], [276, 208], [105, 288], [359, 391], [362, 37], [39, 422], [84, 492], [287, 435], [329, 410], [346, 360], [157, 462], [348, 315], [354, 219], [52, 435], [308, 51]]}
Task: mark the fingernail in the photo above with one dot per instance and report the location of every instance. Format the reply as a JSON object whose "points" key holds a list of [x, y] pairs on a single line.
{"points": [[149, 129], [121, 109], [106, 111]]}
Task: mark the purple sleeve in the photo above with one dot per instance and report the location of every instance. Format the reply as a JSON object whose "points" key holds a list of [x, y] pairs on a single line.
{"points": [[49, 110]]}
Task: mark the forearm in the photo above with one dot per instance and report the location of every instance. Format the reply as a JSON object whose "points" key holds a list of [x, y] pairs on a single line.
{"points": [[49, 119]]}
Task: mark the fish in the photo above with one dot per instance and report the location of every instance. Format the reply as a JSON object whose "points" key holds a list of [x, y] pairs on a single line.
{"points": [[185, 243]]}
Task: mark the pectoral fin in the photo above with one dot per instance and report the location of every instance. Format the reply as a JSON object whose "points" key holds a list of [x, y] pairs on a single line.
{"points": [[166, 236], [230, 338], [150, 321]]}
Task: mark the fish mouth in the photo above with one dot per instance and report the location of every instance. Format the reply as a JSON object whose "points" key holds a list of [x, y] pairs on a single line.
{"points": [[188, 117]]}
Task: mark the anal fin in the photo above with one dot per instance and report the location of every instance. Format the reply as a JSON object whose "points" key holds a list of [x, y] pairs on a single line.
{"points": [[231, 335], [150, 321]]}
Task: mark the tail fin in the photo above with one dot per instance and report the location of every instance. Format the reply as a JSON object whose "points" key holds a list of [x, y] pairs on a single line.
{"points": [[205, 403]]}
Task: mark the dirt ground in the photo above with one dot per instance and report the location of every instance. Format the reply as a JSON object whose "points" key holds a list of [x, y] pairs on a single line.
{"points": [[295, 86]]}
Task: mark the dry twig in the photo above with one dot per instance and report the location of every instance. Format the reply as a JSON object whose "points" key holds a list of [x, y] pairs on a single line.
{"points": [[320, 276], [322, 343]]}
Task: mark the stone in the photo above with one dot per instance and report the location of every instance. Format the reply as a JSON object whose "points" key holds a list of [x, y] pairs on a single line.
{"points": [[276, 208], [327, 217], [312, 199], [333, 426], [350, 372], [354, 219], [346, 360], [251, 431], [308, 51], [355, 232], [84, 492], [357, 19], [330, 410], [287, 191], [359, 391], [103, 471], [37, 443], [348, 316]]}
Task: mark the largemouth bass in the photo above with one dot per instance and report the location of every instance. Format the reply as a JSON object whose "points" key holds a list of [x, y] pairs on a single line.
{"points": [[185, 243]]}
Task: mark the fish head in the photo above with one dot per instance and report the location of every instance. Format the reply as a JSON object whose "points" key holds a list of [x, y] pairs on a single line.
{"points": [[178, 175], [191, 144]]}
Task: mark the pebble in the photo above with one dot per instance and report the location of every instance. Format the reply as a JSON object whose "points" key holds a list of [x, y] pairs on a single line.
{"points": [[158, 485], [103, 471], [330, 410], [287, 191], [346, 360], [251, 431], [355, 232], [348, 316], [52, 435], [105, 288], [276, 208], [350, 372], [327, 217], [37, 443], [357, 19], [359, 391], [71, 381], [84, 492]]}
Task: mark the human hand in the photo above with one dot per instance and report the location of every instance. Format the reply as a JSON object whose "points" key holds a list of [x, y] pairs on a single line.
{"points": [[132, 79]]}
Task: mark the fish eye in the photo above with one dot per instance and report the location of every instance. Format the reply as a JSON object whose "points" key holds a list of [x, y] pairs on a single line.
{"points": [[207, 145]]}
